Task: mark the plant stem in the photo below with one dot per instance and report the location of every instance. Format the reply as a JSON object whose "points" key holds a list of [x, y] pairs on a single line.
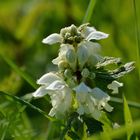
{"points": [[130, 103], [137, 35], [89, 11], [19, 71]]}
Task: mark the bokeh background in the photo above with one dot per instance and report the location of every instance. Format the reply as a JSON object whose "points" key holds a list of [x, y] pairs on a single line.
{"points": [[23, 25]]}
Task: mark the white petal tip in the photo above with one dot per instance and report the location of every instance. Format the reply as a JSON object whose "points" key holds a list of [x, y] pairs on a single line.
{"points": [[44, 41], [52, 39]]}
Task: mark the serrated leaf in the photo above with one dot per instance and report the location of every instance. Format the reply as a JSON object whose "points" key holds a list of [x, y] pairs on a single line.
{"points": [[124, 69], [107, 61]]}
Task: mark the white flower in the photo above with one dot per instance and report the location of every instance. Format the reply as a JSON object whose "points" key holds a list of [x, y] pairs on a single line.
{"points": [[88, 52], [52, 39], [59, 92], [62, 53], [82, 54], [91, 101], [76, 45], [90, 33], [101, 99], [72, 34], [114, 86]]}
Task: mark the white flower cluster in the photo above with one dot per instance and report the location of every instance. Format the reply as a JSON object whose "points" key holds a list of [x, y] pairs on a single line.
{"points": [[69, 88]]}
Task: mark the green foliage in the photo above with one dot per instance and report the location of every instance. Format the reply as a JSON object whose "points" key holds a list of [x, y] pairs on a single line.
{"points": [[128, 121], [23, 58]]}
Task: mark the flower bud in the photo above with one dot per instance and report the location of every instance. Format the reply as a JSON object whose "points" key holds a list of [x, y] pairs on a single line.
{"points": [[73, 30], [62, 65], [63, 31], [67, 35], [85, 73], [82, 54], [68, 73], [71, 58], [92, 75]]}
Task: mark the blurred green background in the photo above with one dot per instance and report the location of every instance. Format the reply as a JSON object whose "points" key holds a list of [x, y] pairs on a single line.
{"points": [[23, 25]]}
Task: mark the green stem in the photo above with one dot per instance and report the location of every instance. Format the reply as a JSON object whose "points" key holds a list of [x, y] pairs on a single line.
{"points": [[137, 35], [89, 11], [130, 103]]}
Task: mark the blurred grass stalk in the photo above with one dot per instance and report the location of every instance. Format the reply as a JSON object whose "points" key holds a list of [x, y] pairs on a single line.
{"points": [[89, 11], [20, 72], [137, 35]]}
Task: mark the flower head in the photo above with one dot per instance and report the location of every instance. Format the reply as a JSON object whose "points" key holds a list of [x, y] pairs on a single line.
{"points": [[82, 73], [59, 92], [75, 35], [91, 101], [76, 45]]}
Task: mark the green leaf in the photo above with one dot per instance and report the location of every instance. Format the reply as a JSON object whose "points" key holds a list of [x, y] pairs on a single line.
{"points": [[85, 132], [128, 121], [107, 61], [23, 102], [107, 125]]}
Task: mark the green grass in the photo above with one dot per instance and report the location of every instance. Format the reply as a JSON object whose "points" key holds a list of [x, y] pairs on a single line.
{"points": [[23, 25]]}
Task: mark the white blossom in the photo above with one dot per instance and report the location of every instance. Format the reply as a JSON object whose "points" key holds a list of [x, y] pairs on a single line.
{"points": [[62, 53], [91, 101], [52, 39], [58, 91], [90, 33], [114, 86]]}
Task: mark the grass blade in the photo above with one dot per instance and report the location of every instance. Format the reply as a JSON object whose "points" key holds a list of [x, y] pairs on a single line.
{"points": [[27, 104], [21, 73], [89, 11], [130, 103], [127, 119], [137, 35]]}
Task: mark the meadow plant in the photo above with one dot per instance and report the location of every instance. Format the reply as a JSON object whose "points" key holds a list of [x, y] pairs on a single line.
{"points": [[85, 80]]}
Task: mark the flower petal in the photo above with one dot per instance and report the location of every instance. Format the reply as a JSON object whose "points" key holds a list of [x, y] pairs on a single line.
{"points": [[96, 35], [40, 92], [62, 53], [114, 86], [101, 99], [56, 85], [61, 102], [52, 112], [87, 30], [93, 47], [52, 39], [82, 88], [99, 94], [108, 107], [82, 54], [48, 78]]}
